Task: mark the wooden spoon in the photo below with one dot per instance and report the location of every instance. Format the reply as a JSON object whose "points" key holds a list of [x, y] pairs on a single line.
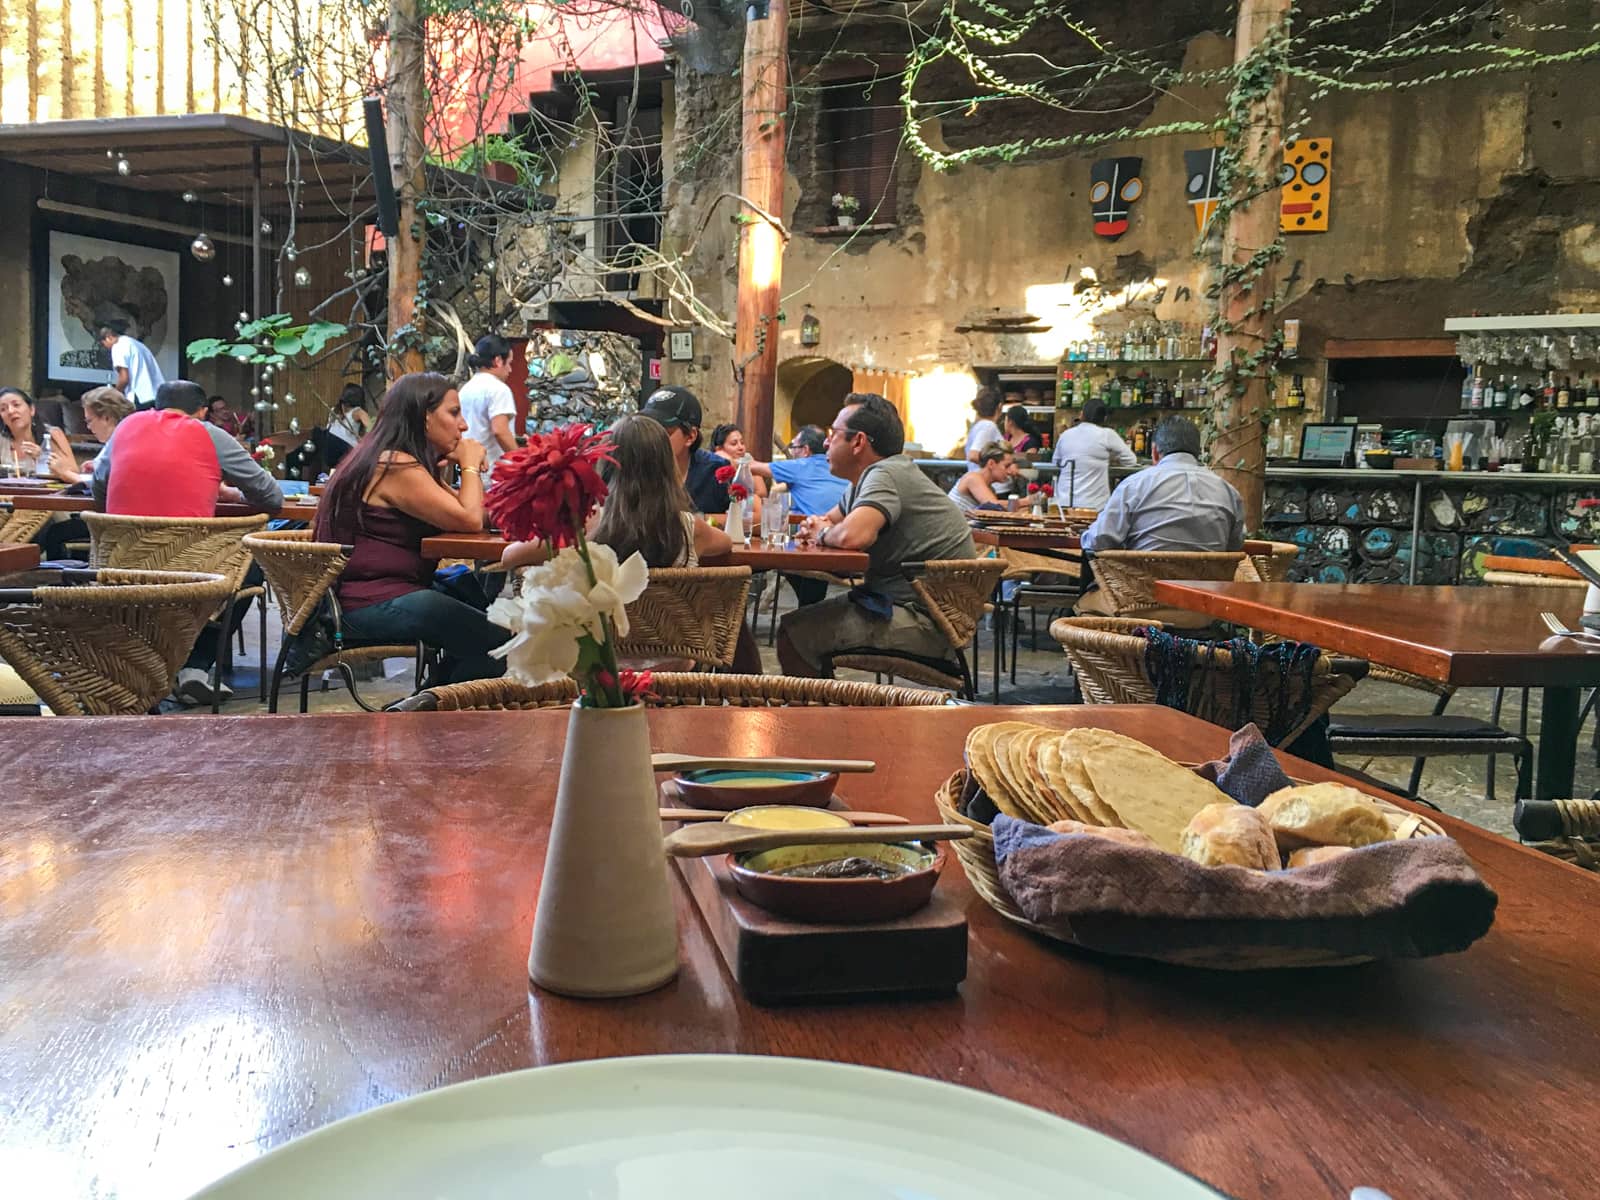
{"points": [[702, 762], [696, 841], [717, 814]]}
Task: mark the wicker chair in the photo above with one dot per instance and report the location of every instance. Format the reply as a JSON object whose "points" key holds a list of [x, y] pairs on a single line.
{"points": [[1025, 567], [692, 613], [1565, 829], [1128, 578], [105, 642], [1109, 661], [209, 544], [1272, 560], [1421, 736], [21, 524], [955, 593], [301, 573], [679, 690]]}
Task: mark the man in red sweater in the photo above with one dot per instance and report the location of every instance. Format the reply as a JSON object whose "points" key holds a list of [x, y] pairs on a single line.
{"points": [[167, 462]]}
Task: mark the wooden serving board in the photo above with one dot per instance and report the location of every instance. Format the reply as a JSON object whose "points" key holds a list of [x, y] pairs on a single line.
{"points": [[779, 961]]}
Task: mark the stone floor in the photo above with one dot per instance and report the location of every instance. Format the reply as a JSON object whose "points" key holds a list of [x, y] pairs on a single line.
{"points": [[1456, 785]]}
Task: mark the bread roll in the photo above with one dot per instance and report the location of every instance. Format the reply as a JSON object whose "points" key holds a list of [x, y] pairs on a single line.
{"points": [[1324, 814], [1223, 835], [1112, 833], [1312, 855]]}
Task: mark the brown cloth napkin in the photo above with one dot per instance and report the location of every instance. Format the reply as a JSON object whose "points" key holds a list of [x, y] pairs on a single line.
{"points": [[1407, 899]]}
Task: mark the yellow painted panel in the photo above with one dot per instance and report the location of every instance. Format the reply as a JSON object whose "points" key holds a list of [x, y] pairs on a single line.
{"points": [[116, 57], [81, 98], [146, 59], [46, 63]]}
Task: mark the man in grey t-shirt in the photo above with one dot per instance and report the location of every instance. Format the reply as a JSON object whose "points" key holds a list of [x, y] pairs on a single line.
{"points": [[897, 515]]}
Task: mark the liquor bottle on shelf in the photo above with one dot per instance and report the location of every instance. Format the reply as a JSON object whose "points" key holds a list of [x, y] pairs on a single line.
{"points": [[1275, 439], [1591, 398], [1297, 392], [1502, 395], [1564, 393], [1549, 394], [1064, 391], [1586, 443], [1527, 396], [1472, 391]]}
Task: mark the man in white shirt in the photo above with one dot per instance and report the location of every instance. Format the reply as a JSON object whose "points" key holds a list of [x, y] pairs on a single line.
{"points": [[984, 430], [138, 373], [1175, 505], [1085, 454], [487, 404]]}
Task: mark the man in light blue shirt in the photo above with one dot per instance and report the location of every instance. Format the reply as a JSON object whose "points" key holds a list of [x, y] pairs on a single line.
{"points": [[813, 489], [1175, 505]]}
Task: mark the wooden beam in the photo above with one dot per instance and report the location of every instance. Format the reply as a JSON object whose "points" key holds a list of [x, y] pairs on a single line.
{"points": [[1390, 348], [407, 115]]}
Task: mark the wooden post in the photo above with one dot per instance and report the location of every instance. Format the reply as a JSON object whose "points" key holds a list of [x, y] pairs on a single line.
{"points": [[407, 115], [1237, 449], [766, 98]]}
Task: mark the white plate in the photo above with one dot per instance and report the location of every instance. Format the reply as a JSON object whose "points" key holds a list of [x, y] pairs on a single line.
{"points": [[705, 1127]]}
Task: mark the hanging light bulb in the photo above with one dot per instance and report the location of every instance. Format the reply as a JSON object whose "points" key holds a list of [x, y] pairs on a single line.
{"points": [[290, 252], [203, 249], [111, 153], [302, 278], [255, 391], [288, 398], [244, 316], [227, 281], [189, 197], [266, 226], [124, 167]]}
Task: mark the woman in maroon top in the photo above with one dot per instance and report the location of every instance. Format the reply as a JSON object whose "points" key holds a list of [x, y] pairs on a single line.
{"points": [[387, 497]]}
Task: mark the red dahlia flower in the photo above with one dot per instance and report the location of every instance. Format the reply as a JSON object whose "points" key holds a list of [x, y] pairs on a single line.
{"points": [[1032, 488], [1047, 490], [548, 489], [635, 685], [724, 474]]}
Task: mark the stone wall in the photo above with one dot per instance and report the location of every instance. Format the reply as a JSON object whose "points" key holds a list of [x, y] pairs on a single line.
{"points": [[1473, 196]]}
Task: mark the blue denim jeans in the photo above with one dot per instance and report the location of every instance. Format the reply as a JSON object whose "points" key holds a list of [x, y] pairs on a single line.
{"points": [[463, 632]]}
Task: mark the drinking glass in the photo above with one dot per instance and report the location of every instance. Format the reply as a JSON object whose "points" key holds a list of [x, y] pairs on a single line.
{"points": [[775, 519]]}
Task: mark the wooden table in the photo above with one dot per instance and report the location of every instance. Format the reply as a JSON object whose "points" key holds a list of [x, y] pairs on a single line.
{"points": [[487, 547], [18, 556], [1464, 636], [1023, 538], [291, 510], [211, 947]]}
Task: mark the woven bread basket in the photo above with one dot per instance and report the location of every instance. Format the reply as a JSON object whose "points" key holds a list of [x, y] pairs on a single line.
{"points": [[976, 856]]}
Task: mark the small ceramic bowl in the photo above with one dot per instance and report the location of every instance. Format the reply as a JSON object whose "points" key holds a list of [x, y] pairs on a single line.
{"points": [[786, 816], [842, 901], [728, 790]]}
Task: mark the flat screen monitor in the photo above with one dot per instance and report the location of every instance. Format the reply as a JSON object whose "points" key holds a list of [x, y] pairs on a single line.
{"points": [[1327, 445]]}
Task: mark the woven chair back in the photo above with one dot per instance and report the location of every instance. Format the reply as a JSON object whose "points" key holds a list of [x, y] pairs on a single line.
{"points": [[1109, 662], [688, 612], [955, 591], [1128, 577], [300, 571], [684, 689], [1272, 560], [109, 647], [22, 524], [213, 545]]}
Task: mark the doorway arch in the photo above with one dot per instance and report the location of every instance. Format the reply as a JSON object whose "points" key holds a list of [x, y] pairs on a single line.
{"points": [[809, 391]]}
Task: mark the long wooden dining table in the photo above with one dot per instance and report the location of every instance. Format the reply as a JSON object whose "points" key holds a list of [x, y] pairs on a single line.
{"points": [[488, 547], [18, 556], [295, 508], [221, 933], [1462, 636]]}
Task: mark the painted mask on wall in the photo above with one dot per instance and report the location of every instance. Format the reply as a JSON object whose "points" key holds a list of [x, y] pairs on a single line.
{"points": [[1114, 185], [1307, 167], [1202, 187]]}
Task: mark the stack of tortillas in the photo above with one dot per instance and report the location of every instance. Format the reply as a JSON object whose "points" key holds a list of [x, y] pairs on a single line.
{"points": [[1091, 776]]}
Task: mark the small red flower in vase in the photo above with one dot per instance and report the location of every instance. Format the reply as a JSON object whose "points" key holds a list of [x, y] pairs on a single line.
{"points": [[738, 491], [726, 474]]}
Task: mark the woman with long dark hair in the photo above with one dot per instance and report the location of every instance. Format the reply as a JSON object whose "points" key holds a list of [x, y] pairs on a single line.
{"points": [[386, 498], [27, 445], [348, 425], [728, 442], [1021, 432]]}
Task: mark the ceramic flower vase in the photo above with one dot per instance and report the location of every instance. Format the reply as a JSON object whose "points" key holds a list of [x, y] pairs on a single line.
{"points": [[735, 524], [605, 925]]}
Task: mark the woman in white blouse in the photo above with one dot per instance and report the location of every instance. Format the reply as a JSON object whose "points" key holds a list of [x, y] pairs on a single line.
{"points": [[1085, 454]]}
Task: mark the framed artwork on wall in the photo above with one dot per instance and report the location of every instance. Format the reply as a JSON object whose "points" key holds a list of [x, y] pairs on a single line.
{"points": [[91, 281]]}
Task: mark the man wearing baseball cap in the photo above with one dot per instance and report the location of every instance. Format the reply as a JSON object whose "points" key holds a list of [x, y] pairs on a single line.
{"points": [[678, 411]]}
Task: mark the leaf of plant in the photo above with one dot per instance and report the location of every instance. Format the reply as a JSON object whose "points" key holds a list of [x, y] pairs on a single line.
{"points": [[203, 348], [319, 333]]}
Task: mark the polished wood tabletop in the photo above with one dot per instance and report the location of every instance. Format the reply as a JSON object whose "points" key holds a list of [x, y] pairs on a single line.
{"points": [[294, 508], [211, 946], [1467, 636], [1024, 538], [18, 556], [28, 486], [488, 547]]}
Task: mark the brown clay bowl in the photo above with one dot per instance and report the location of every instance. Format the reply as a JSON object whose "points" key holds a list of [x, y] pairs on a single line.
{"points": [[727, 790], [841, 901]]}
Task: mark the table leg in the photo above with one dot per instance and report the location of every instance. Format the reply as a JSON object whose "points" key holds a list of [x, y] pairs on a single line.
{"points": [[1558, 742]]}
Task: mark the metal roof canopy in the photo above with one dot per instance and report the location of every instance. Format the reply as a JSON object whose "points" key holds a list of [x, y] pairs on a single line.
{"points": [[215, 156]]}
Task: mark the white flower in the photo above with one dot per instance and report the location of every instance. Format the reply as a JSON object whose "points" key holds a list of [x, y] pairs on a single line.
{"points": [[558, 606]]}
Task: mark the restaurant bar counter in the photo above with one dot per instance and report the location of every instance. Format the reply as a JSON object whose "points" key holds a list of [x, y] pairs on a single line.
{"points": [[1388, 526]]}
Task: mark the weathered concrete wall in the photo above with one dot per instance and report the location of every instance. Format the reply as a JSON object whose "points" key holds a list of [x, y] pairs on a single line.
{"points": [[1479, 195]]}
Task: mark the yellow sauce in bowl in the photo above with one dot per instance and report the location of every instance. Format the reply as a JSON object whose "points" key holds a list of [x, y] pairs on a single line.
{"points": [[785, 816]]}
